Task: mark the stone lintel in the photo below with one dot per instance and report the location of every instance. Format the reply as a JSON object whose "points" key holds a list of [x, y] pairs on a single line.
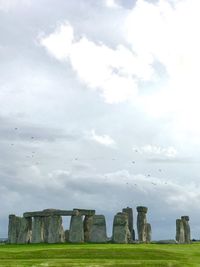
{"points": [[49, 213], [142, 209], [186, 218], [85, 212], [52, 212]]}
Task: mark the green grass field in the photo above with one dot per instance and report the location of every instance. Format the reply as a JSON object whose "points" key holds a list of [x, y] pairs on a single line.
{"points": [[91, 255]]}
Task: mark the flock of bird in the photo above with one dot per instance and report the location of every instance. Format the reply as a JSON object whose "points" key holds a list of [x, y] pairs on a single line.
{"points": [[33, 153]]}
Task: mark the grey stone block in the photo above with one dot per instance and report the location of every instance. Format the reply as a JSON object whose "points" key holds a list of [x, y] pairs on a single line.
{"points": [[76, 233], [121, 233], [98, 229]]}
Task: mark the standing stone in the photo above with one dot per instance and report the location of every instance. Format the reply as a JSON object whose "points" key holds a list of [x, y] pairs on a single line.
{"points": [[76, 234], [133, 235], [121, 233], [141, 223], [180, 234], [38, 230], [55, 231], [148, 232], [25, 230], [129, 211], [87, 224], [46, 221], [98, 229], [13, 229], [66, 235], [186, 226]]}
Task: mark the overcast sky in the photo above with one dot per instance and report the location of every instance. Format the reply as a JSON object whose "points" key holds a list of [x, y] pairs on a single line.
{"points": [[99, 108]]}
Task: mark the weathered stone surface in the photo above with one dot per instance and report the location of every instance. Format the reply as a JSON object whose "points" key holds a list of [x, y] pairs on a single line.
{"points": [[13, 229], [133, 235], [76, 234], [129, 211], [141, 223], [66, 235], [38, 230], [142, 209], [25, 231], [186, 226], [55, 231], [98, 229], [180, 234], [46, 221], [87, 224], [148, 232], [121, 233], [82, 212]]}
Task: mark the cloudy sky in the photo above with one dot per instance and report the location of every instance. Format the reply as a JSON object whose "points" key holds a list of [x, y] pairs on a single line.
{"points": [[99, 108]]}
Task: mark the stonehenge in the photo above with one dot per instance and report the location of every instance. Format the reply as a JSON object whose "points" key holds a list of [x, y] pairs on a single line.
{"points": [[183, 230], [46, 226], [86, 226]]}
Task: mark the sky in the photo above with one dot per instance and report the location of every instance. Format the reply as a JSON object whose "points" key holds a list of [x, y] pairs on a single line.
{"points": [[100, 109]]}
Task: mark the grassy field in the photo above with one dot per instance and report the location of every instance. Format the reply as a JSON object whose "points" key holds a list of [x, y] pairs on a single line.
{"points": [[91, 255]]}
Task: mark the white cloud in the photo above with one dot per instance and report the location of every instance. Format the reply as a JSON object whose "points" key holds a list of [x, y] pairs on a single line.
{"points": [[157, 151], [59, 43], [113, 72], [172, 40], [105, 140], [111, 4]]}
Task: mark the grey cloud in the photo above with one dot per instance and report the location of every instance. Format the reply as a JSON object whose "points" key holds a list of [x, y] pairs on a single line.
{"points": [[171, 160], [94, 192], [18, 131]]}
